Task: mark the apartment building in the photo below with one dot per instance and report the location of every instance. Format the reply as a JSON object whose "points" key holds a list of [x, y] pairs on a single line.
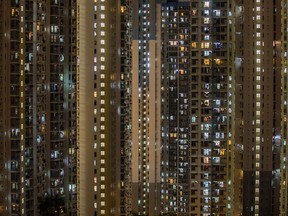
{"points": [[38, 110]]}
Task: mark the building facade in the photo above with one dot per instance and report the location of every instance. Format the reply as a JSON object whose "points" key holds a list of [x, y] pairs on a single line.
{"points": [[104, 75], [146, 59], [38, 106], [258, 106], [198, 88], [175, 164], [146, 107], [284, 150]]}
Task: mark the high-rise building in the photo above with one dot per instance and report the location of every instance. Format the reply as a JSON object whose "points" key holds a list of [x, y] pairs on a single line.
{"points": [[257, 106], [38, 110], [146, 84], [105, 39], [123, 107], [221, 106], [119, 115], [197, 107], [175, 161], [284, 79]]}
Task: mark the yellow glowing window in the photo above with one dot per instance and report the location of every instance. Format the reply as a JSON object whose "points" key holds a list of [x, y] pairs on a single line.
{"points": [[194, 44], [205, 45], [218, 61], [123, 9], [173, 135], [206, 61], [222, 152]]}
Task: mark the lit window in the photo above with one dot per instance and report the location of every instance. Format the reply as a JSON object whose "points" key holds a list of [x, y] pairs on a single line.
{"points": [[206, 61], [122, 9], [205, 45], [194, 44], [206, 20], [206, 4]]}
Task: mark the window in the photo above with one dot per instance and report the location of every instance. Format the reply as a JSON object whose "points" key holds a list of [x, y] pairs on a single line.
{"points": [[206, 4]]}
